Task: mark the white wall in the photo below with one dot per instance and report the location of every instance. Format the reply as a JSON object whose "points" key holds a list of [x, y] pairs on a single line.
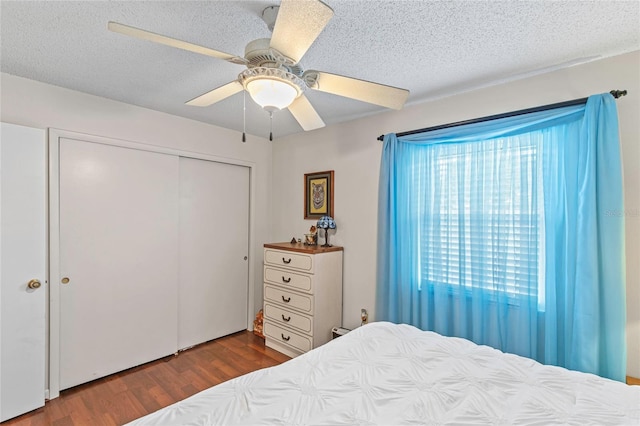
{"points": [[351, 149], [30, 103]]}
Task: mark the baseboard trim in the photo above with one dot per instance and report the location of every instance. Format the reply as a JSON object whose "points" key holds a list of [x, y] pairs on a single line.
{"points": [[633, 381]]}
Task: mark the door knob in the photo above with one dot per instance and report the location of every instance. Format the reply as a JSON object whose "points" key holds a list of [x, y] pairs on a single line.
{"points": [[65, 280], [34, 284]]}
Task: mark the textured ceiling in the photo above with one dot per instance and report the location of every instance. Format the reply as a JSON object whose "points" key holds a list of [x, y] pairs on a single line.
{"points": [[432, 48]]}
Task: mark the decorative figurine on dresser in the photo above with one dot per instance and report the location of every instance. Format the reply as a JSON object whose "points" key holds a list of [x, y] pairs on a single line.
{"points": [[302, 295]]}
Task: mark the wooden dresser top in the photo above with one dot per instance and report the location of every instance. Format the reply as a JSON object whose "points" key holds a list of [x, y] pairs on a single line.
{"points": [[302, 248]]}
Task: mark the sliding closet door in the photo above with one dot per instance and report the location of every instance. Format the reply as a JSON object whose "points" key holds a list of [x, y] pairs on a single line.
{"points": [[118, 258], [214, 239]]}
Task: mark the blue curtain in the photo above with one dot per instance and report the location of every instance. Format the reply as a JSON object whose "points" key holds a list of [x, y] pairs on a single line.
{"points": [[505, 233]]}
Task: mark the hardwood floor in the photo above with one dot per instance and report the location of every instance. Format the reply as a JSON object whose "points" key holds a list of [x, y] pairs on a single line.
{"points": [[125, 396]]}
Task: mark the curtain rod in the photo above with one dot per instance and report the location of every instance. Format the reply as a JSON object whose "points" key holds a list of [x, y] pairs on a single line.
{"points": [[615, 93]]}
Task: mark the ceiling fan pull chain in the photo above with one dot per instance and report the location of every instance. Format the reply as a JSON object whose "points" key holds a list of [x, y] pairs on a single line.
{"points": [[271, 125], [244, 115]]}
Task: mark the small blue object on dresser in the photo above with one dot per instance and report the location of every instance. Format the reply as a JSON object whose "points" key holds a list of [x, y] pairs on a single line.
{"points": [[326, 223]]}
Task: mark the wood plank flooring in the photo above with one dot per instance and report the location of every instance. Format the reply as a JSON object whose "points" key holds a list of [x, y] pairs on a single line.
{"points": [[125, 396], [633, 381]]}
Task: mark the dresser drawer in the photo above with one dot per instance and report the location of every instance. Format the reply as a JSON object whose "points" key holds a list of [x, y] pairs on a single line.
{"points": [[301, 302], [286, 278], [285, 336], [286, 259], [292, 319]]}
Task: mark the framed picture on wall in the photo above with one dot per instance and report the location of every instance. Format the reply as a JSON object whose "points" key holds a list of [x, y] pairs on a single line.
{"points": [[318, 194]]}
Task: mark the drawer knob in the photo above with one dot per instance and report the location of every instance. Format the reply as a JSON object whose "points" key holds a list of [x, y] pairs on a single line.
{"points": [[286, 319], [286, 339], [286, 261], [286, 280], [287, 300]]}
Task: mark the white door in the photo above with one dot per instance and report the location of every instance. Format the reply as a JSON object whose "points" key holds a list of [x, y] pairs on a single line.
{"points": [[23, 254], [118, 259], [214, 241]]}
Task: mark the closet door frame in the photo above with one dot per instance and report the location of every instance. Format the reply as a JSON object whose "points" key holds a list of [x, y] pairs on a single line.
{"points": [[54, 232]]}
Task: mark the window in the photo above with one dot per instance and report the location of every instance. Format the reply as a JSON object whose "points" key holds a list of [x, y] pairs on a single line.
{"points": [[478, 214], [495, 231]]}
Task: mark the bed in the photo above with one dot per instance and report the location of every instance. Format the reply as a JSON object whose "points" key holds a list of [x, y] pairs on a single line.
{"points": [[390, 374]]}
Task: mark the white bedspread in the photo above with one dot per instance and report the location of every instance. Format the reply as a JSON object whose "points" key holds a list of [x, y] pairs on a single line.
{"points": [[396, 374]]}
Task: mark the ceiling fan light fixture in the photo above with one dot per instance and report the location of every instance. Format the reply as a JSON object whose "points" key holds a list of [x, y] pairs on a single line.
{"points": [[271, 88], [272, 94]]}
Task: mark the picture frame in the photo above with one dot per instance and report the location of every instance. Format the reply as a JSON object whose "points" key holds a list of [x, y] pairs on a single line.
{"points": [[318, 194]]}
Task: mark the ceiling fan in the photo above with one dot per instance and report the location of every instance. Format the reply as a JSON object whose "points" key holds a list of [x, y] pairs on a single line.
{"points": [[273, 77]]}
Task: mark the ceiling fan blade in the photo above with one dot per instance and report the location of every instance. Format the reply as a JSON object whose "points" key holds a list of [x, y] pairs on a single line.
{"points": [[168, 41], [217, 94], [362, 90], [305, 114], [297, 26]]}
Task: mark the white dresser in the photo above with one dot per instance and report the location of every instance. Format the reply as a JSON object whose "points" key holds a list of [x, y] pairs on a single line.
{"points": [[302, 296]]}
